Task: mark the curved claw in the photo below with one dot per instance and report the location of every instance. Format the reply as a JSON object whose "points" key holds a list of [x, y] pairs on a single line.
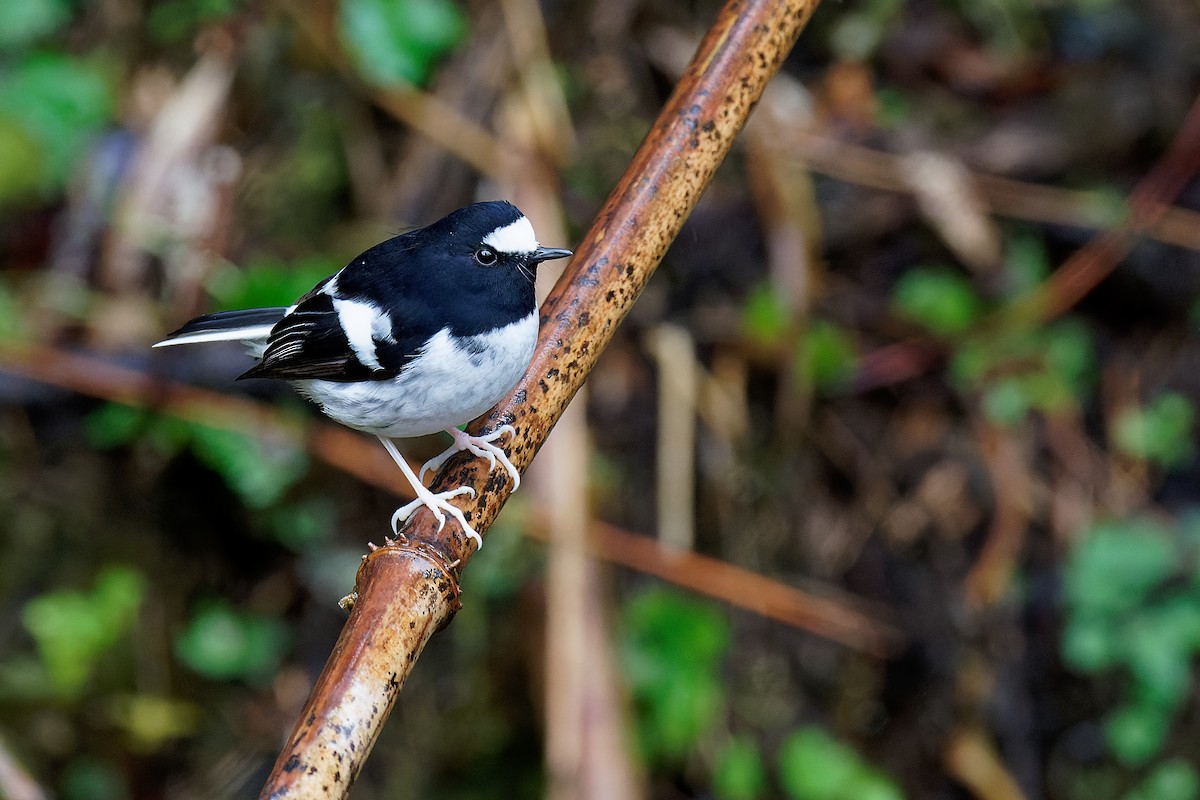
{"points": [[435, 463], [437, 503], [480, 446], [493, 453]]}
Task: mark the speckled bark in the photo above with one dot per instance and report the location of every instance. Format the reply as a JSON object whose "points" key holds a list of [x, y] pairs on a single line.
{"points": [[407, 592]]}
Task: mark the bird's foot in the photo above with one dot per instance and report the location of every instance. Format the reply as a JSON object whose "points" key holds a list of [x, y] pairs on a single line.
{"points": [[479, 445], [438, 503]]}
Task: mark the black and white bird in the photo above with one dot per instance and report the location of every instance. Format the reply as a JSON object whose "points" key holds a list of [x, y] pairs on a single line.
{"points": [[419, 334]]}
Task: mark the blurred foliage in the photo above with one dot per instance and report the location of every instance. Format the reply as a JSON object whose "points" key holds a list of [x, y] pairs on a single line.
{"points": [[1160, 432], [1018, 370], [1011, 27], [295, 197], [739, 772], [827, 356], [938, 298], [171, 21], [400, 41], [52, 107], [671, 649], [825, 353], [90, 778], [1132, 594], [151, 721], [259, 470], [74, 629], [223, 643], [267, 283], [1174, 779], [813, 766], [25, 23], [766, 320]]}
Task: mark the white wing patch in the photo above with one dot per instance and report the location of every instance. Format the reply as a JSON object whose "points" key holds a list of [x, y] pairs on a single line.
{"points": [[362, 322], [515, 237], [447, 384]]}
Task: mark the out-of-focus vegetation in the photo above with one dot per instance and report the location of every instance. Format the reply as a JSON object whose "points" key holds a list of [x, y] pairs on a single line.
{"points": [[904, 405]]}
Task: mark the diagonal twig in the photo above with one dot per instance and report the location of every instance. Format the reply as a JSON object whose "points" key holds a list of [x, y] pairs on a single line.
{"points": [[360, 457], [407, 590]]}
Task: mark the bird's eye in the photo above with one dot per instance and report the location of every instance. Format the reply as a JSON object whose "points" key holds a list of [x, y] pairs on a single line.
{"points": [[486, 256]]}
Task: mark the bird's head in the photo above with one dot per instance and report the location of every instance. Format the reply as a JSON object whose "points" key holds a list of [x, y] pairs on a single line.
{"points": [[496, 236]]}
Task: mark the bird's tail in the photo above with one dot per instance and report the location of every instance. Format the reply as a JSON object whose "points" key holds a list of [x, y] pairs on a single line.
{"points": [[250, 325]]}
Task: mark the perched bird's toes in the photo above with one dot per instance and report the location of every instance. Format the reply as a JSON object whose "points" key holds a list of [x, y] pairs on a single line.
{"points": [[435, 463], [438, 505]]}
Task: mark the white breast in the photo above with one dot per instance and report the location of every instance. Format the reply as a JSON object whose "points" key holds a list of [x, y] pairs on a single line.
{"points": [[451, 382]]}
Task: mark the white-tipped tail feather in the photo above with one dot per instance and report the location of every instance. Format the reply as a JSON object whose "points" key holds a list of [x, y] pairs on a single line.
{"points": [[251, 325], [235, 335]]}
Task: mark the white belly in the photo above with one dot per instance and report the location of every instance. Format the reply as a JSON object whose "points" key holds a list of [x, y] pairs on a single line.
{"points": [[447, 385]]}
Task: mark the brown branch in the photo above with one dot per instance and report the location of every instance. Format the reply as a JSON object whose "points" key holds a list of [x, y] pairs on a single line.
{"points": [[92, 376], [1150, 201], [834, 619], [644, 213], [1149, 207], [362, 458], [1005, 197]]}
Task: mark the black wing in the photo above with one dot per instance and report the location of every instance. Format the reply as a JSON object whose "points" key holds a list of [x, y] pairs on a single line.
{"points": [[310, 343]]}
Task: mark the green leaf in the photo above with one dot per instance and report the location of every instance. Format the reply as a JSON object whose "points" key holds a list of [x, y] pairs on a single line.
{"points": [[304, 524], [1006, 402], [400, 41], [25, 22], [224, 644], [943, 301], [73, 629], [1115, 564], [14, 309], [1174, 779], [1136, 732], [23, 162], [151, 721], [766, 320], [114, 424], [1069, 353], [267, 284], [1161, 432], [812, 766], [671, 650], [828, 356], [1026, 264], [681, 712], [89, 778], [739, 772], [1157, 659], [675, 632], [1090, 643], [869, 784], [259, 471], [62, 103], [174, 20]]}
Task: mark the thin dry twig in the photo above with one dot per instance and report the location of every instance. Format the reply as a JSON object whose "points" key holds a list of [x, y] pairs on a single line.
{"points": [[742, 51], [1006, 197], [361, 457], [1149, 206], [421, 111], [748, 590]]}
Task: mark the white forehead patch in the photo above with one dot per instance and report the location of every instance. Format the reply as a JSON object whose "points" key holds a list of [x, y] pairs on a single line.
{"points": [[515, 237]]}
